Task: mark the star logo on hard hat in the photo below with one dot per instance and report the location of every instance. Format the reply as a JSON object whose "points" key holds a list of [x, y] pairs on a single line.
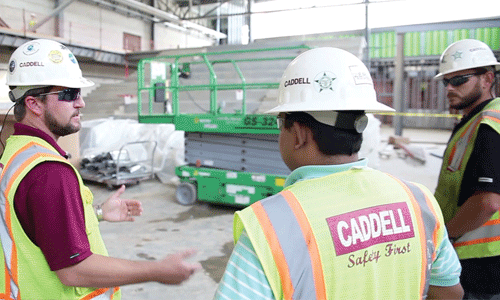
{"points": [[457, 55], [324, 81]]}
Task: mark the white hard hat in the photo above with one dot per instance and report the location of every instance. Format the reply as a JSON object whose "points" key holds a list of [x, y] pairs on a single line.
{"points": [[327, 79], [41, 63], [466, 54]]}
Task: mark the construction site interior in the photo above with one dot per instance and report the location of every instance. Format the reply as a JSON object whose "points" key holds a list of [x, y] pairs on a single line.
{"points": [[183, 124]]}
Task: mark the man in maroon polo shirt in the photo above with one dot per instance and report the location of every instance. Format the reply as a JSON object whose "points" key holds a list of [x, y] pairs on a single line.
{"points": [[50, 202]]}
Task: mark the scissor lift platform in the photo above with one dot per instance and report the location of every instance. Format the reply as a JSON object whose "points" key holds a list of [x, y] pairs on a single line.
{"points": [[231, 157]]}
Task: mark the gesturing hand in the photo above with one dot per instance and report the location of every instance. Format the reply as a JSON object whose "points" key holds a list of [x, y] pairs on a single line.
{"points": [[116, 209], [175, 269]]}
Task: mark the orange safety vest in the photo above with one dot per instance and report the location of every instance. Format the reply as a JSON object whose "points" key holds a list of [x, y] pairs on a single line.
{"points": [[485, 240], [26, 272]]}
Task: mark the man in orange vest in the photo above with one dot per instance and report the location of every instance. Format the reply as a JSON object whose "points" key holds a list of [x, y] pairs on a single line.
{"points": [[468, 189], [339, 229], [51, 244]]}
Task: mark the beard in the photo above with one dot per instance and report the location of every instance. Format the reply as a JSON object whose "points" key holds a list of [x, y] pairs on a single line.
{"points": [[468, 99], [60, 130]]}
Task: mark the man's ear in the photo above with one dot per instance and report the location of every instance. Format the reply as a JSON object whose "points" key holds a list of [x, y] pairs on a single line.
{"points": [[490, 78], [34, 105], [301, 135]]}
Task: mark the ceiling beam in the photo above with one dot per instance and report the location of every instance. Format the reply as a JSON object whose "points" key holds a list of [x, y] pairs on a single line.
{"points": [[56, 11]]}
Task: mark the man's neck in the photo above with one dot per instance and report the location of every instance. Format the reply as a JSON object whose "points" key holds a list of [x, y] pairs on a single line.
{"points": [[39, 125], [332, 159], [466, 111]]}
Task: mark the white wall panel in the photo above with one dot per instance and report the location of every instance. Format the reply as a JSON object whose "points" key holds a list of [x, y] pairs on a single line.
{"points": [[92, 26], [167, 38]]}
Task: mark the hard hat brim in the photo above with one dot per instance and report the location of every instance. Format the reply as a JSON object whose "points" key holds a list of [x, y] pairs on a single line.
{"points": [[361, 106]]}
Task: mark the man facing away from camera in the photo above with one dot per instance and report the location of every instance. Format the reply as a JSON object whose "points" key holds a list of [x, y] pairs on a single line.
{"points": [[338, 230]]}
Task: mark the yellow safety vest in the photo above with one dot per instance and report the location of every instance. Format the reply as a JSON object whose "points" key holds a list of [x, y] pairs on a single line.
{"points": [[26, 272], [484, 241], [357, 234]]}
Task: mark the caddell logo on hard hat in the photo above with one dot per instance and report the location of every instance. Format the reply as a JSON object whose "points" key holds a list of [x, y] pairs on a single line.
{"points": [[295, 81], [31, 49], [324, 81]]}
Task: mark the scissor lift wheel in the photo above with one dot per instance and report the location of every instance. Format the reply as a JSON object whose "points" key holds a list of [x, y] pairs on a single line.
{"points": [[186, 193]]}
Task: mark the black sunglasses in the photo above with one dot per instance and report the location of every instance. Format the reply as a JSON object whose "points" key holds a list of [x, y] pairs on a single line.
{"points": [[460, 79], [68, 95]]}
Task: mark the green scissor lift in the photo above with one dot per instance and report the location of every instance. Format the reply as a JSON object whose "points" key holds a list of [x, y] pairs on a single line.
{"points": [[232, 156]]}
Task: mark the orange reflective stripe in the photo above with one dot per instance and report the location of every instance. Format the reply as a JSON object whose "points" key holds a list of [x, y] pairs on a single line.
{"points": [[492, 222], [421, 229], [13, 275], [95, 293], [13, 258], [14, 264], [116, 289], [311, 243], [7, 280], [24, 165], [452, 154], [477, 241], [5, 296], [272, 239], [466, 132], [470, 132], [436, 228], [100, 292], [454, 149], [17, 153]]}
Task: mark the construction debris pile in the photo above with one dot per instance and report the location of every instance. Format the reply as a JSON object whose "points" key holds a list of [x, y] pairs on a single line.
{"points": [[114, 169], [149, 151]]}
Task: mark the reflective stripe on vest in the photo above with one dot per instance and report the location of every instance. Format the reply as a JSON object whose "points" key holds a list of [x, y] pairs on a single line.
{"points": [[459, 149], [488, 232], [11, 171], [296, 266], [295, 249], [102, 294], [428, 220]]}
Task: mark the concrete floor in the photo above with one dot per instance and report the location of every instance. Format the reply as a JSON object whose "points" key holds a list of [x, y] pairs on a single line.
{"points": [[167, 227]]}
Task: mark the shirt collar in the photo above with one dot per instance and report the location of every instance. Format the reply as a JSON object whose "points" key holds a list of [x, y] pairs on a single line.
{"points": [[22, 129], [316, 171]]}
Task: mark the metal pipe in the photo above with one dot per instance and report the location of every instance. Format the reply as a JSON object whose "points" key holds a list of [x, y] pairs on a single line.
{"points": [[150, 10], [250, 40], [168, 17], [398, 93], [367, 36]]}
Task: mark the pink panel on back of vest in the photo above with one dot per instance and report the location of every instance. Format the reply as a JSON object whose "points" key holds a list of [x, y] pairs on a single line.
{"points": [[366, 227]]}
